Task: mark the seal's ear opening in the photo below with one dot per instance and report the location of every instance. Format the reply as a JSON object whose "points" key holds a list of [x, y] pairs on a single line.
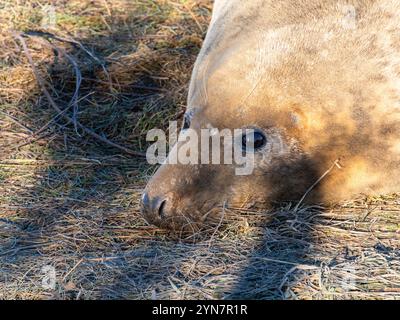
{"points": [[298, 119]]}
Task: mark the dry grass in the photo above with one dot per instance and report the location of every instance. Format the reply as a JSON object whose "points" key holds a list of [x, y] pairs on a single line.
{"points": [[70, 200]]}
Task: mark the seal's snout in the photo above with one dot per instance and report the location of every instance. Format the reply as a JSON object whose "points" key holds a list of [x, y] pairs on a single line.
{"points": [[153, 208]]}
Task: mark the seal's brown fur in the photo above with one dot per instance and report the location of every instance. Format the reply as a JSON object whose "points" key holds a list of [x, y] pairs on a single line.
{"points": [[321, 76]]}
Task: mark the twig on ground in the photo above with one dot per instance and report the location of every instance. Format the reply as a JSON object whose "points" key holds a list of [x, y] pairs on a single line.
{"points": [[74, 102], [335, 164], [16, 121], [60, 111], [218, 226]]}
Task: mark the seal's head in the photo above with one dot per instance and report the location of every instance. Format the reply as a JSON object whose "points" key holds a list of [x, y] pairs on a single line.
{"points": [[312, 92]]}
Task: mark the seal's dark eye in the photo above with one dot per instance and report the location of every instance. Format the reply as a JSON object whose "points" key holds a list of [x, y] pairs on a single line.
{"points": [[186, 122], [253, 140]]}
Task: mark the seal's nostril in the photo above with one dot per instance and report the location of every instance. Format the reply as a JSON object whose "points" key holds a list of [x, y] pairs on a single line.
{"points": [[161, 212], [153, 208]]}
